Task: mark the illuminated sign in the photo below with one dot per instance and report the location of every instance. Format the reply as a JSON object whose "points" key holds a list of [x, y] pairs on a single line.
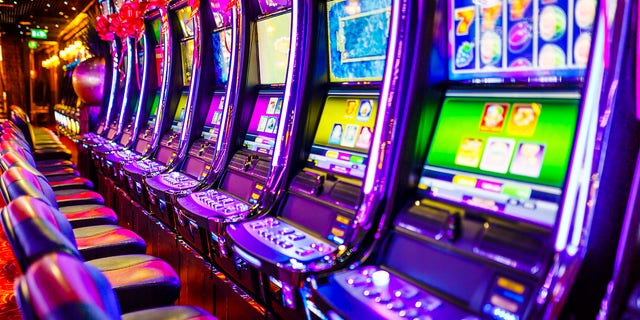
{"points": [[38, 33], [33, 44]]}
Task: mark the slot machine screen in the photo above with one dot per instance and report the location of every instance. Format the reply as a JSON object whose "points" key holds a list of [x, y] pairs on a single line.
{"points": [[221, 13], [156, 26], [186, 48], [344, 136], [269, 6], [186, 22], [154, 109], [358, 34], [511, 158], [179, 116], [159, 65], [261, 134], [140, 63], [519, 39], [273, 48], [214, 118], [222, 55]]}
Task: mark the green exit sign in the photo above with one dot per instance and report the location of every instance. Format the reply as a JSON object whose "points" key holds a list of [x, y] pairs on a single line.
{"points": [[33, 45], [38, 33]]}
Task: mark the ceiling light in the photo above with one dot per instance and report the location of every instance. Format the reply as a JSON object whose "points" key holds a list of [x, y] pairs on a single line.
{"points": [[73, 8]]}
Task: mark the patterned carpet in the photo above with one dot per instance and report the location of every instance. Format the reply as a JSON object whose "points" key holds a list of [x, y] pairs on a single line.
{"points": [[8, 272]]}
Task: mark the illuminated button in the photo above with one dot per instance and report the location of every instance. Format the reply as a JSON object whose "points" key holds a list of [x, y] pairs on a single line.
{"points": [[342, 219], [257, 225], [255, 196], [511, 285], [357, 281], [380, 278], [423, 317], [395, 305], [242, 207], [384, 297], [286, 231], [304, 252], [297, 236], [229, 210], [371, 293], [259, 187], [429, 303], [286, 245], [408, 313], [227, 201], [337, 232], [407, 292]]}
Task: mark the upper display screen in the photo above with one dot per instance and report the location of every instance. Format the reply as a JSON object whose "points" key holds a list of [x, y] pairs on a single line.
{"points": [[519, 39], [186, 49], [222, 55], [156, 25], [221, 13], [269, 6], [358, 34], [511, 157], [273, 48], [159, 65], [344, 135], [186, 21], [178, 118], [261, 135], [214, 118], [154, 109]]}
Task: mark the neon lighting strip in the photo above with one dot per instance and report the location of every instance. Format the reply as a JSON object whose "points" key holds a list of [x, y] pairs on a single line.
{"points": [[590, 100], [374, 156]]}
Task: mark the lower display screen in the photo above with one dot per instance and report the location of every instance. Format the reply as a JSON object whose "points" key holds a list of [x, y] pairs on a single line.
{"points": [[261, 135], [178, 118], [154, 109], [214, 118], [344, 135], [507, 155]]}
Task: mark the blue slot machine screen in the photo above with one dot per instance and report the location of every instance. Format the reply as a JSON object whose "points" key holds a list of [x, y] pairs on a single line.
{"points": [[358, 36], [222, 55], [519, 39]]}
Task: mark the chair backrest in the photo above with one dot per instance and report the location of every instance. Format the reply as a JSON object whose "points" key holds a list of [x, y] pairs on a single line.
{"points": [[21, 120], [34, 229], [18, 181], [59, 286], [14, 146]]}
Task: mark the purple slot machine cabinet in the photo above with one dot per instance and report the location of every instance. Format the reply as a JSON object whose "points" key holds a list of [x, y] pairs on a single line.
{"points": [[148, 112], [333, 198], [492, 190], [249, 170], [178, 99], [218, 43]]}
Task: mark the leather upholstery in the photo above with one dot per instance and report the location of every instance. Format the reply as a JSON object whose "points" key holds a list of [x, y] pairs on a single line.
{"points": [[173, 312], [79, 292], [107, 240], [89, 215], [140, 281]]}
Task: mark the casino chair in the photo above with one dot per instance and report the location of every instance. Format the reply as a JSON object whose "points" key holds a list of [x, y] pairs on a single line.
{"points": [[15, 157], [44, 143], [60, 287], [16, 138], [140, 281], [10, 128], [16, 182], [22, 220], [71, 193]]}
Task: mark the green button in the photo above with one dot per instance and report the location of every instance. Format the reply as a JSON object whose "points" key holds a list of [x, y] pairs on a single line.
{"points": [[516, 191], [357, 159]]}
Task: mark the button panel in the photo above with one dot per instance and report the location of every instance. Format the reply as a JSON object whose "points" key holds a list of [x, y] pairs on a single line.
{"points": [[149, 165], [288, 240], [221, 203], [396, 298], [178, 180]]}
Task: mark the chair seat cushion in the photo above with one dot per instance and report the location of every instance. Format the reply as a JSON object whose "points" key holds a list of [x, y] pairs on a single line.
{"points": [[89, 215], [172, 312], [107, 240], [72, 197], [69, 182], [140, 281]]}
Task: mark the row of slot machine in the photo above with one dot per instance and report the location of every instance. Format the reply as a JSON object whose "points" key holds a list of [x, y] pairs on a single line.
{"points": [[382, 159]]}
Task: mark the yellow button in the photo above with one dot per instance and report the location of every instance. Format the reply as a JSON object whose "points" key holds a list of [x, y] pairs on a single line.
{"points": [[465, 181], [259, 186], [337, 232], [255, 196], [511, 285], [342, 219]]}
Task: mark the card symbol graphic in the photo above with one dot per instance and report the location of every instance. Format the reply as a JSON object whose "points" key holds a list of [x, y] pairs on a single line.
{"points": [[528, 159], [271, 108], [497, 155], [469, 152], [262, 125], [336, 134], [364, 112], [364, 138], [351, 107], [272, 125], [350, 135], [493, 117], [524, 119]]}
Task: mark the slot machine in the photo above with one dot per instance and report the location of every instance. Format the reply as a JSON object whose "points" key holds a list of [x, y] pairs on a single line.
{"points": [[219, 45], [332, 199], [248, 174], [152, 115], [494, 185], [178, 63]]}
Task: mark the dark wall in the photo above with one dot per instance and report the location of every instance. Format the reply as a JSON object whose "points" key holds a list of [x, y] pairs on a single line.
{"points": [[15, 76]]}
